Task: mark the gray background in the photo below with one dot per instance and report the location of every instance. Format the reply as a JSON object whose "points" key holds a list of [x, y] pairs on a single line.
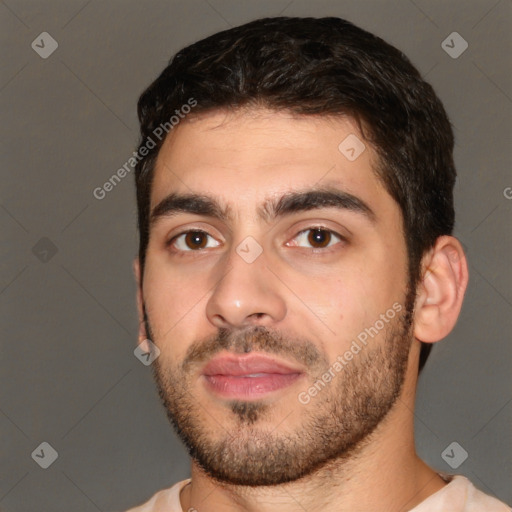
{"points": [[68, 373]]}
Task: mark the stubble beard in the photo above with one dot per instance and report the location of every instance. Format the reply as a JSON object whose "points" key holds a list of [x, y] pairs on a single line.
{"points": [[249, 449]]}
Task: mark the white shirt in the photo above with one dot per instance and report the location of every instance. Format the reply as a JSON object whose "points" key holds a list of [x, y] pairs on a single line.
{"points": [[459, 495]]}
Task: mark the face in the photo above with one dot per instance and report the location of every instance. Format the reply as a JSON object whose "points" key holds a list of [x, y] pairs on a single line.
{"points": [[274, 286]]}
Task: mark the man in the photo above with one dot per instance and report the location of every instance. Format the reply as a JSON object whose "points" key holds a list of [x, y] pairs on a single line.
{"points": [[295, 266]]}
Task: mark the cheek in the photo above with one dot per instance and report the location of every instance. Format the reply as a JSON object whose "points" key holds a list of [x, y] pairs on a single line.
{"points": [[173, 304], [328, 310], [352, 298]]}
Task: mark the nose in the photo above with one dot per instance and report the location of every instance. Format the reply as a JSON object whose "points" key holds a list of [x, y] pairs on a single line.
{"points": [[247, 294]]}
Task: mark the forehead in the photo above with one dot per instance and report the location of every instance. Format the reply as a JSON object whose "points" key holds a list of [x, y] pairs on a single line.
{"points": [[252, 155]]}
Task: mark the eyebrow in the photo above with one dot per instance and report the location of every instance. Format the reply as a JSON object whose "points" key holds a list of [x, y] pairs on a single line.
{"points": [[287, 204], [197, 204], [315, 199]]}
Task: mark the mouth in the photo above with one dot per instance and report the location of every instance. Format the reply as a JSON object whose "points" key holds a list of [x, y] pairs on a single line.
{"points": [[248, 376]]}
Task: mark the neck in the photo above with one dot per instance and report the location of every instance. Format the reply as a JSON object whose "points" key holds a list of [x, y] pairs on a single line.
{"points": [[384, 474]]}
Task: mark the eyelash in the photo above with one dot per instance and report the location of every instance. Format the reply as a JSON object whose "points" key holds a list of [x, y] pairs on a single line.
{"points": [[341, 238]]}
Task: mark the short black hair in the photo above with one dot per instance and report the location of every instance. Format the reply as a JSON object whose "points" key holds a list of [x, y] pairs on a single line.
{"points": [[319, 66]]}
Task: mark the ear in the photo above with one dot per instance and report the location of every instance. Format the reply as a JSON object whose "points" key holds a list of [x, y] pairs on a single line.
{"points": [[441, 290], [140, 301]]}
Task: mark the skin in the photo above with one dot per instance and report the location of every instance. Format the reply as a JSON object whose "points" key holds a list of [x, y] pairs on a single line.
{"points": [[324, 295]]}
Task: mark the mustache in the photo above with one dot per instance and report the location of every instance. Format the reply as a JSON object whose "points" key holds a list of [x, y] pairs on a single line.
{"points": [[251, 339]]}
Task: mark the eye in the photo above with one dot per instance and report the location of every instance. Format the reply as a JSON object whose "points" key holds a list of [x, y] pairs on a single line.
{"points": [[317, 238], [193, 240]]}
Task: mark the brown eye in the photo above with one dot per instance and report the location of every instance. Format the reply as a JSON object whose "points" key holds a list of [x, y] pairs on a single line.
{"points": [[316, 238], [196, 239], [319, 238]]}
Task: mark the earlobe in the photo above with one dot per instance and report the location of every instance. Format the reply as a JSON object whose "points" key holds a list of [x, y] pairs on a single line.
{"points": [[440, 290]]}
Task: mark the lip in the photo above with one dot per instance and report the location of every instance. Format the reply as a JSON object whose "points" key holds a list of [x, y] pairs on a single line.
{"points": [[248, 376], [238, 365]]}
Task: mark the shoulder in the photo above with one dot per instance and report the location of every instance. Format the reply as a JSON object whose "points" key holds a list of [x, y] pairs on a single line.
{"points": [[460, 495], [476, 500], [167, 500]]}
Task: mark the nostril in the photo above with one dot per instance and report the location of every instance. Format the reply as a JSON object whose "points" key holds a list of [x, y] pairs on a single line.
{"points": [[219, 321]]}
